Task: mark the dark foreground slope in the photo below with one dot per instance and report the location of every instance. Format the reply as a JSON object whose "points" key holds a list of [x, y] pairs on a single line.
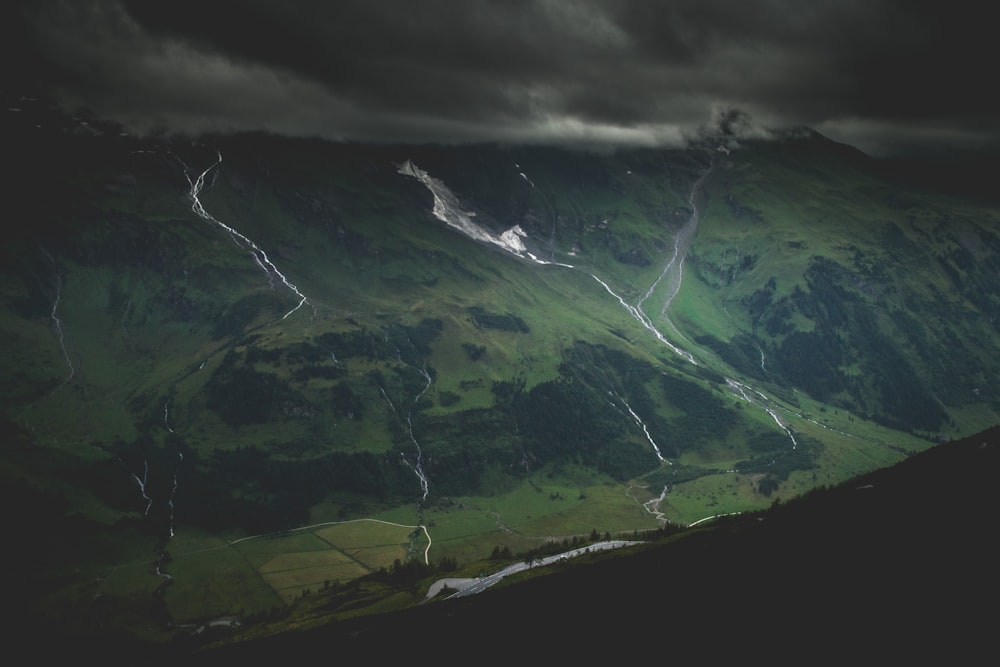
{"points": [[897, 562]]}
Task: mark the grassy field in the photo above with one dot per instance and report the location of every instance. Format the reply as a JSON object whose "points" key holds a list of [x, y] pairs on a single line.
{"points": [[214, 578]]}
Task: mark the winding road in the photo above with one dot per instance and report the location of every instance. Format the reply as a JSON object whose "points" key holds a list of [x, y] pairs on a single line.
{"points": [[470, 586]]}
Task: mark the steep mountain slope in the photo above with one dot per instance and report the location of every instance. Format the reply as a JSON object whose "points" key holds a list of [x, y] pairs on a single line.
{"points": [[217, 340]]}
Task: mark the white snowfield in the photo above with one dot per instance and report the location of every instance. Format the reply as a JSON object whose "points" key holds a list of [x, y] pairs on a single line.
{"points": [[448, 210]]}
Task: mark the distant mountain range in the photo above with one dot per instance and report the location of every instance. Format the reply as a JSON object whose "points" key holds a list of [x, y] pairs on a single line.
{"points": [[234, 360]]}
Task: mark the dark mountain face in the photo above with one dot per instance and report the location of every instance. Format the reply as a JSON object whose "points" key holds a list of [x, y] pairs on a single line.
{"points": [[216, 340]]}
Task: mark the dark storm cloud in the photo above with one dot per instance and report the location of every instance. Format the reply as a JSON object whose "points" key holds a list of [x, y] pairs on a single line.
{"points": [[877, 73]]}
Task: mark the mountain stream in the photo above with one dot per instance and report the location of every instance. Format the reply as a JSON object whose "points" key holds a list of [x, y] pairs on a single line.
{"points": [[259, 256], [447, 208]]}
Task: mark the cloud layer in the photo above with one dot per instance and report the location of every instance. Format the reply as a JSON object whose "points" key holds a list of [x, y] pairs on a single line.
{"points": [[880, 74]]}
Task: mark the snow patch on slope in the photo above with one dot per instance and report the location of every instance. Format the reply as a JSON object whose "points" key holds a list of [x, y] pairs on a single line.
{"points": [[448, 210]]}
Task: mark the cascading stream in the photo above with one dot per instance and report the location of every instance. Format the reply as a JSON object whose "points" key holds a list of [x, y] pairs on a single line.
{"points": [[673, 273], [142, 486], [417, 465], [447, 209], [258, 254], [173, 494], [739, 389], [653, 506], [166, 415], [57, 323], [642, 425], [674, 269], [644, 320]]}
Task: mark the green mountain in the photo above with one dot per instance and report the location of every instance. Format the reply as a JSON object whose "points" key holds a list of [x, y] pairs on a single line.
{"points": [[242, 369]]}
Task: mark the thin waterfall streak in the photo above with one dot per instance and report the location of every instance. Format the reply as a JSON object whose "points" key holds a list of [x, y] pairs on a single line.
{"points": [[166, 415], [258, 254], [740, 389], [644, 320], [59, 330], [648, 437], [142, 486], [642, 425], [418, 468], [681, 240], [386, 397], [121, 325], [173, 493]]}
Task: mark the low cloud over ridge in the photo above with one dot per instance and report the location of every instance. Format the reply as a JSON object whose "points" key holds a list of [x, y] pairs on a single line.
{"points": [[883, 75]]}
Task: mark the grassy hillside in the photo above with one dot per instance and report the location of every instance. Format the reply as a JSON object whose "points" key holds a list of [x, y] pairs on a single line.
{"points": [[222, 352], [889, 563]]}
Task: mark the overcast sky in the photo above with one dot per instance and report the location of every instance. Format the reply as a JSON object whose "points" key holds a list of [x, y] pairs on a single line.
{"points": [[881, 75]]}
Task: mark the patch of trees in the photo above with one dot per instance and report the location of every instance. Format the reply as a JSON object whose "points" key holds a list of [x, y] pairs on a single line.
{"points": [[569, 421], [417, 338], [769, 441], [676, 474], [554, 548], [357, 343], [605, 369], [758, 302], [706, 415], [305, 353], [237, 316], [505, 391], [243, 395], [412, 570], [342, 401], [502, 322], [977, 281], [846, 332], [560, 418], [634, 255], [448, 398], [475, 352], [501, 553], [411, 343], [580, 416], [811, 361], [630, 370], [778, 463], [318, 372], [461, 448], [708, 374], [402, 384], [255, 355], [741, 353], [266, 493]]}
